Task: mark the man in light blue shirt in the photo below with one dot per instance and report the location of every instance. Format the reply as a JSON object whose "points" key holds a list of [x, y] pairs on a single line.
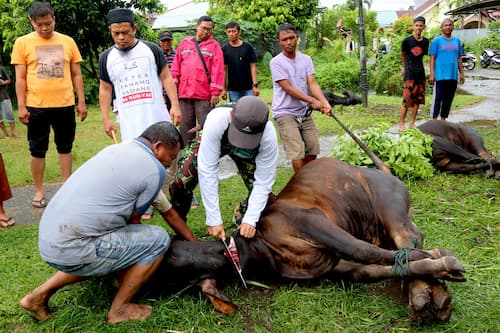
{"points": [[446, 69]]}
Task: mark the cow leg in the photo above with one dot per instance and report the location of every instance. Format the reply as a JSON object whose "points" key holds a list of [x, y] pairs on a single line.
{"points": [[442, 268], [427, 298], [475, 143], [321, 230], [458, 167], [220, 302]]}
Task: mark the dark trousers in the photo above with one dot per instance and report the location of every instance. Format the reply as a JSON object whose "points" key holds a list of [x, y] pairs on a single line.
{"points": [[192, 110], [444, 91]]}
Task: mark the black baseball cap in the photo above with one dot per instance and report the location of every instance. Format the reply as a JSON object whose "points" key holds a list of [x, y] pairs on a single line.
{"points": [[250, 116], [165, 35]]}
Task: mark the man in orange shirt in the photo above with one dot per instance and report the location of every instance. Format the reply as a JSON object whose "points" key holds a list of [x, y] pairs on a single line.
{"points": [[47, 65]]}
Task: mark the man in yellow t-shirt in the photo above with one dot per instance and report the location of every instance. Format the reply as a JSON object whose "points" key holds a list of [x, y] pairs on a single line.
{"points": [[47, 65]]}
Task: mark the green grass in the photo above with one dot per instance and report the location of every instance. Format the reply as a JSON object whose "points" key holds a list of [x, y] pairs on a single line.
{"points": [[90, 136], [456, 212]]}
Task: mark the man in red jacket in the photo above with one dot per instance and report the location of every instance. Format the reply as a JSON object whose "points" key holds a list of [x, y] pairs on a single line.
{"points": [[199, 83]]}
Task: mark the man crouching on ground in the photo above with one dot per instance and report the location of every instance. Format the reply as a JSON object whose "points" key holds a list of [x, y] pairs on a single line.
{"points": [[90, 227]]}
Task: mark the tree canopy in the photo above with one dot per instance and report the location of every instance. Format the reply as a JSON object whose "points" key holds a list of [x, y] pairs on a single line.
{"points": [[267, 14], [84, 20]]}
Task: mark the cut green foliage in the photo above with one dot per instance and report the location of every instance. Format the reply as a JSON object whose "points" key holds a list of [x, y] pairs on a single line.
{"points": [[407, 154]]}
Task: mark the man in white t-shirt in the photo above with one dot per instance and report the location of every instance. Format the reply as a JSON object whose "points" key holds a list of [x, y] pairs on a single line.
{"points": [[137, 73], [244, 132]]}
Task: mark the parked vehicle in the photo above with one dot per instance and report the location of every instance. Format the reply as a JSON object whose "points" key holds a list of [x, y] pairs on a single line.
{"points": [[490, 57], [469, 60]]}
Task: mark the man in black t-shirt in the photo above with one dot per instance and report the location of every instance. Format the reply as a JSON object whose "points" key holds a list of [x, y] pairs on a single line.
{"points": [[240, 59], [413, 50]]}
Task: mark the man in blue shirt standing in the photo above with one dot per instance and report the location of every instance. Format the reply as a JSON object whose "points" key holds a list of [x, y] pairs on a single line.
{"points": [[446, 69]]}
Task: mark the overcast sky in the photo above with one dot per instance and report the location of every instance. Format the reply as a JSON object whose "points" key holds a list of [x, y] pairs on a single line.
{"points": [[376, 4]]}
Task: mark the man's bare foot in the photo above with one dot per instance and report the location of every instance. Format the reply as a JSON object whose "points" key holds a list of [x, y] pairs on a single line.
{"points": [[130, 311], [401, 127], [412, 125], [35, 306]]}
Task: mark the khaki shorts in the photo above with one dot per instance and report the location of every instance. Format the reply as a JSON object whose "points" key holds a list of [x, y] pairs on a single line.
{"points": [[300, 138]]}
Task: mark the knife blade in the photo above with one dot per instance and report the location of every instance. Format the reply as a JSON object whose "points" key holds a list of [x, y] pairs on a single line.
{"points": [[236, 265]]}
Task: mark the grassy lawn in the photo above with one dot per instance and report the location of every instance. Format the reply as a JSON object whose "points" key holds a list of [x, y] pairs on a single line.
{"points": [[456, 212]]}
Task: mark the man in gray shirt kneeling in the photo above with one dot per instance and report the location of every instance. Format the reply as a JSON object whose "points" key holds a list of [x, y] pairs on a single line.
{"points": [[92, 227]]}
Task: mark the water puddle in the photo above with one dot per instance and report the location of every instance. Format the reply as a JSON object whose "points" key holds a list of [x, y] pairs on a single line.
{"points": [[479, 78]]}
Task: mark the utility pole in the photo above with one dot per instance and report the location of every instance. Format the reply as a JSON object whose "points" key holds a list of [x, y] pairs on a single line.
{"points": [[362, 55]]}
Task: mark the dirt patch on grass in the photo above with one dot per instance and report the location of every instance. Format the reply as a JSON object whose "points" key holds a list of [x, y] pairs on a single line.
{"points": [[255, 308], [396, 290], [482, 123]]}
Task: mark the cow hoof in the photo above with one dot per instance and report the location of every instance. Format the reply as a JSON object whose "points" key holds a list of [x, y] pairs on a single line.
{"points": [[444, 315], [429, 299], [442, 301], [419, 295], [440, 296], [452, 264], [449, 268]]}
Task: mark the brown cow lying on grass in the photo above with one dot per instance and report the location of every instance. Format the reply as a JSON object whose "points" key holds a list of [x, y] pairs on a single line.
{"points": [[334, 221], [458, 148]]}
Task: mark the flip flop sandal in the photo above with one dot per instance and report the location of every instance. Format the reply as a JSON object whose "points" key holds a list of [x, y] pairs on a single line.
{"points": [[8, 222], [42, 203]]}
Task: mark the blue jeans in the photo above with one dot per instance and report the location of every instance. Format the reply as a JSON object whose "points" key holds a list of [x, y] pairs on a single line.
{"points": [[134, 244], [235, 95]]}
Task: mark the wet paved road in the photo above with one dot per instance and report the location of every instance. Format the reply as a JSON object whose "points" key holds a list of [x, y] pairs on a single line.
{"points": [[482, 82]]}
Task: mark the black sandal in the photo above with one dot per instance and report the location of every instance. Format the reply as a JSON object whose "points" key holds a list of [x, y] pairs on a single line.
{"points": [[8, 222], [42, 203]]}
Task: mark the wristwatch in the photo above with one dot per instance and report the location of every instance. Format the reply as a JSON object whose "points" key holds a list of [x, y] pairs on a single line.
{"points": [[255, 85]]}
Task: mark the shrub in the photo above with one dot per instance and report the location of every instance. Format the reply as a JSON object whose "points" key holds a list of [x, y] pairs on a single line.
{"points": [[384, 74], [385, 77], [494, 27], [340, 75], [491, 41], [264, 72]]}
